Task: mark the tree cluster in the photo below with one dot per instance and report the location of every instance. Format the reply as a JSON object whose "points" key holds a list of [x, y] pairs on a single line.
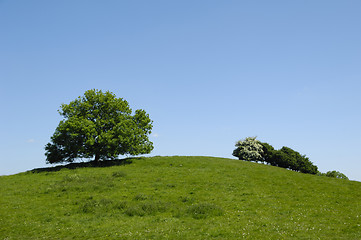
{"points": [[250, 149]]}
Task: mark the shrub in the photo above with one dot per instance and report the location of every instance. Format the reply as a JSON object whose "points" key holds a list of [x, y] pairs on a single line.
{"points": [[336, 174], [249, 149]]}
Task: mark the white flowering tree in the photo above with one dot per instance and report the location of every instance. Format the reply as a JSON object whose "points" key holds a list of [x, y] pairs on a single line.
{"points": [[249, 149]]}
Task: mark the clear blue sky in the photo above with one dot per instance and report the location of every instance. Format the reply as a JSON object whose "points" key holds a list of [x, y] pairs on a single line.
{"points": [[208, 72]]}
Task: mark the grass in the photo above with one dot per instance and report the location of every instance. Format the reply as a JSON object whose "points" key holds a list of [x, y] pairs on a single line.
{"points": [[178, 198]]}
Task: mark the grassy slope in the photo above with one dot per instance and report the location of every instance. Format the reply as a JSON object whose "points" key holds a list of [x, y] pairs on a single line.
{"points": [[179, 198]]}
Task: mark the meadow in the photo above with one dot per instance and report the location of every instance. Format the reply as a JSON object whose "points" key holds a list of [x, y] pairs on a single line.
{"points": [[177, 197]]}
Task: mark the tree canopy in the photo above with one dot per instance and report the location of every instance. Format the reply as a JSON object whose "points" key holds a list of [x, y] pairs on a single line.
{"points": [[334, 174], [101, 126], [249, 149]]}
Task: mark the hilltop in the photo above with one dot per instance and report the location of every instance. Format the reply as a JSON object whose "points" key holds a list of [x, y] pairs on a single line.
{"points": [[177, 198]]}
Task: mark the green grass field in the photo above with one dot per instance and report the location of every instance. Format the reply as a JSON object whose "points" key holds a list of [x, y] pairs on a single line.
{"points": [[178, 198]]}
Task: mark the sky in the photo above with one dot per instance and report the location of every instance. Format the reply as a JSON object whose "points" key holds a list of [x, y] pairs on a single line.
{"points": [[208, 73]]}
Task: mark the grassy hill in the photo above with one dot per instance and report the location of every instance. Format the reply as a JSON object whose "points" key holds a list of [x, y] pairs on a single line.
{"points": [[177, 198]]}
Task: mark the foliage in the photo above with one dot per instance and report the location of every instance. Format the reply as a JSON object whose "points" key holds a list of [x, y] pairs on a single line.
{"points": [[253, 150], [249, 149], [297, 162], [288, 158], [334, 174], [220, 199], [268, 152], [99, 125]]}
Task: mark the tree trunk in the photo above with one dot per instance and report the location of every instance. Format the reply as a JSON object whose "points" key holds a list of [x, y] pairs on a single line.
{"points": [[97, 157]]}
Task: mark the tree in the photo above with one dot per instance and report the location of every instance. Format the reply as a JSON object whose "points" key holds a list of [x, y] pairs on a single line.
{"points": [[268, 154], [98, 125], [288, 158], [298, 162], [249, 149], [336, 174]]}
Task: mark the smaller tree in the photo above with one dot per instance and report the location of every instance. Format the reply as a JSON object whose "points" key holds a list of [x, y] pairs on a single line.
{"points": [[269, 154], [336, 174], [249, 149], [282, 159], [297, 162]]}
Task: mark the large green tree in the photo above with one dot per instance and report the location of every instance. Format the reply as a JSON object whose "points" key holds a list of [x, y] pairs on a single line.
{"points": [[101, 126]]}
